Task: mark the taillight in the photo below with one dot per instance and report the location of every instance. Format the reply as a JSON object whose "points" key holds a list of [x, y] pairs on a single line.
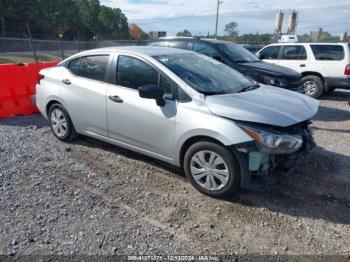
{"points": [[347, 70], [38, 78]]}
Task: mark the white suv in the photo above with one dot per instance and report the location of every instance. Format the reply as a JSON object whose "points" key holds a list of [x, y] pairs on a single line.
{"points": [[323, 66]]}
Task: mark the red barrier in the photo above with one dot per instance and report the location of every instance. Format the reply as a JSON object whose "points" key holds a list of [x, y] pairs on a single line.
{"points": [[17, 84]]}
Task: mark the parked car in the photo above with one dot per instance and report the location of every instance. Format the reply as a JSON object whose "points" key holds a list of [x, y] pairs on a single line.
{"points": [[179, 107], [239, 59], [324, 67]]}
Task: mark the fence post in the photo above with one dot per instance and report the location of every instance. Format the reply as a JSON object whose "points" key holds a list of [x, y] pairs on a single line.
{"points": [[31, 44]]}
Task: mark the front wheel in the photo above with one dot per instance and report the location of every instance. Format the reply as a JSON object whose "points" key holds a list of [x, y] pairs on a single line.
{"points": [[313, 86], [212, 169]]}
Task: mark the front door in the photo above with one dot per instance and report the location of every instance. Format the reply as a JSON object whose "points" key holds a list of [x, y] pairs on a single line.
{"points": [[137, 121]]}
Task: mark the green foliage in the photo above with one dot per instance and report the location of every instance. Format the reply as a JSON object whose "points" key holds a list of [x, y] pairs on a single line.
{"points": [[231, 29], [184, 33], [69, 18]]}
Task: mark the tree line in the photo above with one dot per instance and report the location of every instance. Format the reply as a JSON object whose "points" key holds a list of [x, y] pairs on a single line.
{"points": [[67, 19]]}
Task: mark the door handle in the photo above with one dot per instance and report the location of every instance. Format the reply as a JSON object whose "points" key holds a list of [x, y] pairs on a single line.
{"points": [[302, 65], [66, 81], [116, 99]]}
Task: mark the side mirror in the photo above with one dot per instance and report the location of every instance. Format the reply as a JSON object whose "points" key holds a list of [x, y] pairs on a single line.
{"points": [[218, 58], [152, 92], [257, 55]]}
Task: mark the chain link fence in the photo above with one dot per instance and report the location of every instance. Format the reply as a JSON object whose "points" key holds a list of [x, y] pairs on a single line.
{"points": [[26, 50]]}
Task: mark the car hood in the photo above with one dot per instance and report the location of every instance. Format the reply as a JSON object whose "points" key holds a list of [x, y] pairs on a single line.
{"points": [[267, 105], [270, 70]]}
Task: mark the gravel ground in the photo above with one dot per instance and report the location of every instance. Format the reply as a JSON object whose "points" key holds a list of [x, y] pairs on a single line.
{"points": [[93, 198]]}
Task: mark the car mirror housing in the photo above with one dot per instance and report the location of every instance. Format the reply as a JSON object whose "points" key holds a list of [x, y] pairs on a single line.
{"points": [[152, 92]]}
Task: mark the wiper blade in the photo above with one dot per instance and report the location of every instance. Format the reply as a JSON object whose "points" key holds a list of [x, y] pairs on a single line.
{"points": [[211, 93], [249, 88]]}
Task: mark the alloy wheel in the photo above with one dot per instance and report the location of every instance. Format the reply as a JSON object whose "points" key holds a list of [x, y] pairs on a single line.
{"points": [[58, 122], [209, 170], [310, 87]]}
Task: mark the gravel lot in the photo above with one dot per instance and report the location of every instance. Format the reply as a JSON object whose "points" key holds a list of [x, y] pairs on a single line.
{"points": [[93, 198]]}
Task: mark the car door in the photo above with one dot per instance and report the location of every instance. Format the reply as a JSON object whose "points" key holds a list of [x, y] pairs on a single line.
{"points": [[84, 92], [137, 121], [270, 54], [294, 57]]}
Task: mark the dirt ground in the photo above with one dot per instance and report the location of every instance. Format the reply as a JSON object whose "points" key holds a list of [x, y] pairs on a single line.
{"points": [[93, 198]]}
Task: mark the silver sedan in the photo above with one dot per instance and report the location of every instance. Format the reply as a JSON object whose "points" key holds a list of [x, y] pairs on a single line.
{"points": [[180, 107]]}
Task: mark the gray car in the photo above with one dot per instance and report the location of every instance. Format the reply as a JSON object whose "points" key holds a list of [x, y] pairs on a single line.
{"points": [[180, 107]]}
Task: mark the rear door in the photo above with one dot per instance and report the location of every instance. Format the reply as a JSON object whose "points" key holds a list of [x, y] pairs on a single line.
{"points": [[294, 57], [84, 90], [329, 59]]}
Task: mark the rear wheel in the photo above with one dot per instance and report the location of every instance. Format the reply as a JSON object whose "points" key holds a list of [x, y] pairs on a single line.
{"points": [[212, 169], [313, 86], [61, 124]]}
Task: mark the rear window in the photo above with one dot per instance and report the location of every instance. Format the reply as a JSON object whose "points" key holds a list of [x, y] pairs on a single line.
{"points": [[328, 52]]}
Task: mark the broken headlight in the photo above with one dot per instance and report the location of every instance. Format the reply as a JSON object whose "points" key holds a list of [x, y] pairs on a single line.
{"points": [[274, 142]]}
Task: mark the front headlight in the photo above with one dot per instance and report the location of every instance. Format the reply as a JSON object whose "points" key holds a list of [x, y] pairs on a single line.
{"points": [[273, 142], [273, 81]]}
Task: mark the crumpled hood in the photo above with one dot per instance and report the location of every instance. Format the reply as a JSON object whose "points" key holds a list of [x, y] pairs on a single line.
{"points": [[267, 105]]}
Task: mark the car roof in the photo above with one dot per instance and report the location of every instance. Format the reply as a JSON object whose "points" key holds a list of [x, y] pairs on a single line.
{"points": [[185, 39], [313, 43], [140, 50]]}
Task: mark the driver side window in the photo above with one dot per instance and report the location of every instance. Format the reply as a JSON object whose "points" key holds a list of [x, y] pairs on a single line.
{"points": [[134, 73], [271, 52]]}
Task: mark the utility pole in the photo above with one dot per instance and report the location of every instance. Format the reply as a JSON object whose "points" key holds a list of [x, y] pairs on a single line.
{"points": [[217, 17]]}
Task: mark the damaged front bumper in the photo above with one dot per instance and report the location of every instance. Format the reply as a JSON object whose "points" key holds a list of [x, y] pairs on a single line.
{"points": [[262, 166]]}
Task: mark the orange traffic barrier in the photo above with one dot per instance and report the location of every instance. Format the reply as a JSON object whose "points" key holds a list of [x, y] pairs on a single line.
{"points": [[17, 84]]}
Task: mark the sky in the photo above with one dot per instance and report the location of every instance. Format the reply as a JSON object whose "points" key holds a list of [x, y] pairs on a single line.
{"points": [[252, 16]]}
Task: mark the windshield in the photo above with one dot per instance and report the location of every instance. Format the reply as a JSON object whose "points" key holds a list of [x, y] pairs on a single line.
{"points": [[237, 53], [205, 74]]}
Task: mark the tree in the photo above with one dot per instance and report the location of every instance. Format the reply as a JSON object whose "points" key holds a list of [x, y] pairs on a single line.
{"points": [[49, 19], [184, 33], [231, 29]]}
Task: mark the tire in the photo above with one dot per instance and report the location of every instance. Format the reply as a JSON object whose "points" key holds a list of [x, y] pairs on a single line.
{"points": [[225, 185], [57, 117], [313, 86]]}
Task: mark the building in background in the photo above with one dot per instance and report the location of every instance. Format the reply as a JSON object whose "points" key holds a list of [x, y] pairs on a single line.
{"points": [[154, 35]]}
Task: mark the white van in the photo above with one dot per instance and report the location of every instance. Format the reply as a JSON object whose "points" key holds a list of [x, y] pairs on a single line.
{"points": [[323, 66]]}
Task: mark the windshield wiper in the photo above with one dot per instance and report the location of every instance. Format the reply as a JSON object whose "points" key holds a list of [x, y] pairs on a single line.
{"points": [[211, 93], [249, 88]]}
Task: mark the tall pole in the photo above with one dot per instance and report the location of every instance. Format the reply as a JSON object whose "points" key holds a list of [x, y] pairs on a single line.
{"points": [[217, 17]]}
